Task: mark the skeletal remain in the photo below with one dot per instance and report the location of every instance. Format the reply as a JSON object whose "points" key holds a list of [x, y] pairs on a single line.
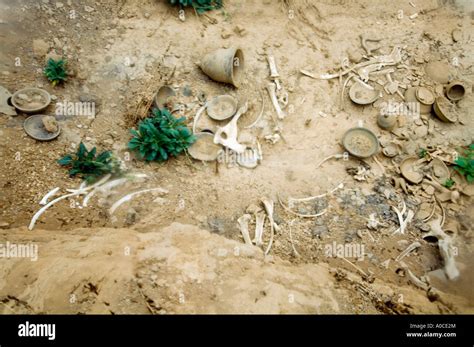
{"points": [[403, 221], [73, 192], [334, 156], [227, 135], [129, 197], [259, 228], [198, 116], [408, 250], [273, 68], [260, 114], [445, 249], [51, 193], [273, 138], [271, 88], [373, 223], [244, 227], [413, 279], [392, 59], [435, 230], [339, 186], [282, 97], [268, 204], [286, 208], [291, 239], [447, 253], [274, 71]]}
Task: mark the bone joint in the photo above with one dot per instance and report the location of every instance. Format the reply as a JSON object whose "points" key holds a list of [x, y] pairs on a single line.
{"points": [[271, 88], [227, 135]]}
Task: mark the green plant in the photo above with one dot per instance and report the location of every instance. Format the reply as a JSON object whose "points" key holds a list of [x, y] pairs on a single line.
{"points": [[89, 166], [464, 164], [448, 183], [422, 153], [199, 5], [161, 136], [55, 71]]}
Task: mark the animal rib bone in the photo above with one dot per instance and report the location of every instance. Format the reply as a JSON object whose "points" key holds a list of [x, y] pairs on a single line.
{"points": [[131, 195], [51, 193], [227, 135], [271, 88], [268, 204], [408, 250], [244, 227], [259, 228]]}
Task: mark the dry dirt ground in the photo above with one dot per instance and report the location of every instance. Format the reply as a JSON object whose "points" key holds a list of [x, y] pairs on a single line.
{"points": [[183, 252]]}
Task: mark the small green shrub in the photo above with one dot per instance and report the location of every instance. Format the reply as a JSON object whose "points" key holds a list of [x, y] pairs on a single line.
{"points": [[199, 5], [161, 136], [55, 71], [422, 153], [464, 164], [89, 166], [449, 183]]}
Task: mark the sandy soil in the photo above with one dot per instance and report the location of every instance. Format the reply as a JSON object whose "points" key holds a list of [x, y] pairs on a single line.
{"points": [[183, 244]]}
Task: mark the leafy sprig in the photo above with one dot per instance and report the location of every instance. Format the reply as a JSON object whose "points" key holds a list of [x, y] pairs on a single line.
{"points": [[199, 5], [90, 166], [161, 136], [464, 164], [55, 71]]}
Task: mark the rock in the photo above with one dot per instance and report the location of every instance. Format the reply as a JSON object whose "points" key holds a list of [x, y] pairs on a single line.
{"points": [[40, 48], [88, 9], [216, 224], [4, 225], [355, 56], [225, 34], [320, 231], [240, 30], [50, 124], [59, 5]]}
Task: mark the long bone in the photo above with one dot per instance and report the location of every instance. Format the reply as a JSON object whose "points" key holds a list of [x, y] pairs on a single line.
{"points": [[274, 71], [259, 228], [227, 135], [271, 88], [408, 250], [244, 227]]}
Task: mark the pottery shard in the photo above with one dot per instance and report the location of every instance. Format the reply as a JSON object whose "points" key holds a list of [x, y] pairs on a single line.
{"points": [[40, 48], [50, 124]]}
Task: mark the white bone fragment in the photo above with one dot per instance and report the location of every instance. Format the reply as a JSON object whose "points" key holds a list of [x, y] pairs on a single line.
{"points": [[447, 253], [244, 227], [259, 228], [413, 279], [408, 250], [271, 88], [403, 221], [131, 195], [51, 193], [48, 205], [227, 135], [273, 68], [268, 204]]}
